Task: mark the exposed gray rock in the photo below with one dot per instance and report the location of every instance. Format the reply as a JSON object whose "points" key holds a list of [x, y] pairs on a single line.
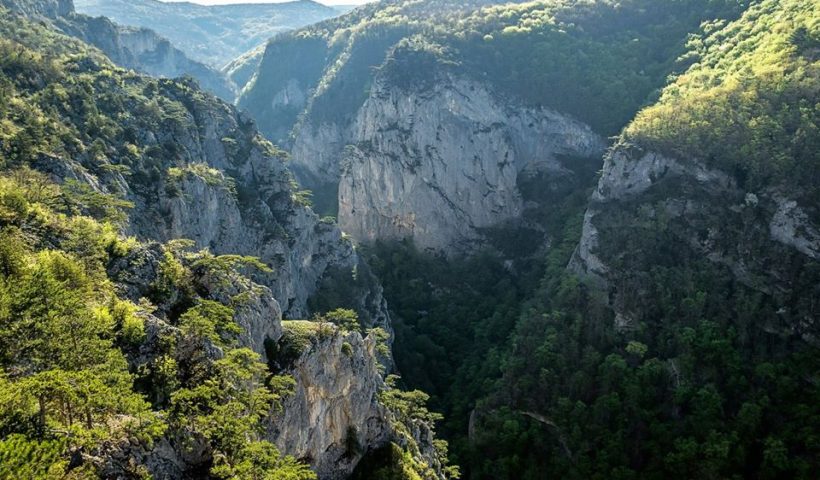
{"points": [[212, 34], [291, 96], [255, 310], [436, 165], [790, 225], [253, 212], [42, 8], [627, 173], [143, 50], [334, 416], [200, 171], [134, 273], [317, 152], [584, 260]]}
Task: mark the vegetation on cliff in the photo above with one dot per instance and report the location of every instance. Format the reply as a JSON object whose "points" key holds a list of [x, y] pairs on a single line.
{"points": [[73, 380], [115, 352], [598, 61], [707, 371], [749, 104]]}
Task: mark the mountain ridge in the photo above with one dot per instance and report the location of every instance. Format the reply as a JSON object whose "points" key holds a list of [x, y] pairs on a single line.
{"points": [[216, 34], [175, 351], [138, 48]]}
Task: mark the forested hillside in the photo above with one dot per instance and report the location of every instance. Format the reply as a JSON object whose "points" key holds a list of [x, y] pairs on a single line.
{"points": [[129, 352], [749, 105], [65, 333], [375, 79], [681, 340], [596, 60], [140, 49], [587, 232]]}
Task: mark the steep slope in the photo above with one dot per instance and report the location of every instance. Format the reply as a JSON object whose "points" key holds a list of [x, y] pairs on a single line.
{"points": [[241, 69], [138, 48], [740, 126], [196, 169], [124, 357], [145, 51], [682, 342], [445, 177], [214, 35], [402, 82]]}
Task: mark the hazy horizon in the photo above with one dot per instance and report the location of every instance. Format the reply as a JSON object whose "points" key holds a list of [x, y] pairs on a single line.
{"points": [[227, 2]]}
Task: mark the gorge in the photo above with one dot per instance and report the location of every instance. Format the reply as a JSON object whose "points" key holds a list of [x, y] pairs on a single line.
{"points": [[432, 239]]}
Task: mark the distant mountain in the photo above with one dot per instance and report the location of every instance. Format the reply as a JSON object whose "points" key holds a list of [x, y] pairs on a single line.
{"points": [[141, 49], [211, 34]]}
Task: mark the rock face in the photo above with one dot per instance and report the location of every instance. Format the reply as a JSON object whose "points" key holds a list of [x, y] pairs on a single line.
{"points": [[438, 158], [441, 164], [334, 417], [235, 197], [708, 216], [140, 49], [229, 191], [192, 167], [628, 174], [143, 50], [258, 313]]}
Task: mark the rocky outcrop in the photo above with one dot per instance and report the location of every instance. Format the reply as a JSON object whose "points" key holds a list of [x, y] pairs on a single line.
{"points": [[192, 167], [251, 212], [437, 157], [708, 216], [791, 226], [291, 239], [439, 165], [333, 417], [214, 180], [628, 173], [256, 311]]}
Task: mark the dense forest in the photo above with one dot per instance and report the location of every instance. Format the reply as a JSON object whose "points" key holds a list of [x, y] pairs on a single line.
{"points": [[653, 314], [65, 333], [537, 378], [600, 61], [89, 374]]}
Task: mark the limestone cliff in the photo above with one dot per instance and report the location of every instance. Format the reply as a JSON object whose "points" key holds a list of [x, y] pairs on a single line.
{"points": [[337, 416], [213, 34], [42, 8], [236, 197], [430, 152], [442, 164], [334, 416], [145, 51], [193, 168]]}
